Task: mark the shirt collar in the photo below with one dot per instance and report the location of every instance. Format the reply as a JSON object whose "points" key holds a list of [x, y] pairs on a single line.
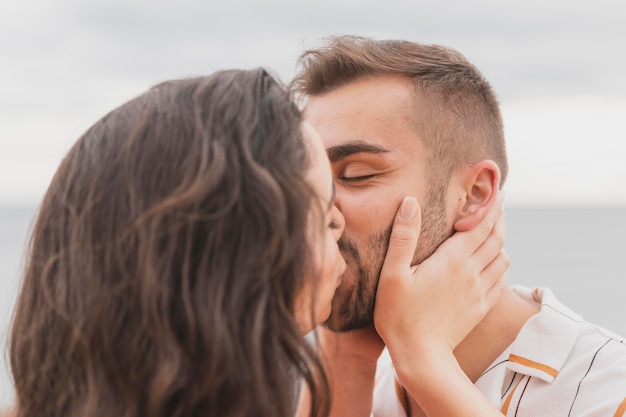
{"points": [[545, 341]]}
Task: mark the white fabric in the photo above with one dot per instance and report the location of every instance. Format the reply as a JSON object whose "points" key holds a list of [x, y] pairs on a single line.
{"points": [[559, 365]]}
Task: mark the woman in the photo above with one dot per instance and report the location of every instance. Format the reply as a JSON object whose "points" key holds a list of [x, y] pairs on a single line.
{"points": [[185, 245]]}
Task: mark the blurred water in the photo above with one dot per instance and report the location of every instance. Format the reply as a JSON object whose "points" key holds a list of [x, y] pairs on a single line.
{"points": [[578, 252]]}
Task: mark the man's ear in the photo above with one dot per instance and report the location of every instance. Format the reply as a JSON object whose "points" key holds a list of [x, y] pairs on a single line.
{"points": [[479, 190]]}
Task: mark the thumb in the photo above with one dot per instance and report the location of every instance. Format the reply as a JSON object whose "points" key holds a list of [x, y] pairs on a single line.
{"points": [[403, 240]]}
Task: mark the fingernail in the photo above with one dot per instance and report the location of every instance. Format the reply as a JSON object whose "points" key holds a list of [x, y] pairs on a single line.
{"points": [[408, 209]]}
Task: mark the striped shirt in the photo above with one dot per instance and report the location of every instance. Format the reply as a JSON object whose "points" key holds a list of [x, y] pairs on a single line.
{"points": [[559, 365]]}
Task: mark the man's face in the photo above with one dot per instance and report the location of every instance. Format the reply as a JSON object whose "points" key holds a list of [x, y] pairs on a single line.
{"points": [[377, 159]]}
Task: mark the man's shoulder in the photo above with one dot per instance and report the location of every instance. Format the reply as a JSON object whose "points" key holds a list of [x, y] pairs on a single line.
{"points": [[560, 338], [604, 350], [592, 381], [588, 368]]}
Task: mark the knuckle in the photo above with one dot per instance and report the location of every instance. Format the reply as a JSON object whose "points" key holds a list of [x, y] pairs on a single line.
{"points": [[506, 261], [500, 239], [403, 237]]}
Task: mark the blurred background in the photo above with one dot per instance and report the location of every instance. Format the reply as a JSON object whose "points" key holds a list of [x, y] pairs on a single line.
{"points": [[557, 67]]}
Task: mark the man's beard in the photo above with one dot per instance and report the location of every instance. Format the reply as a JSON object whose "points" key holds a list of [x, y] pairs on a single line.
{"points": [[353, 303]]}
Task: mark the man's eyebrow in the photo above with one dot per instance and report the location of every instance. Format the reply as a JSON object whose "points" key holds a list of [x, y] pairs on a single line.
{"points": [[336, 153]]}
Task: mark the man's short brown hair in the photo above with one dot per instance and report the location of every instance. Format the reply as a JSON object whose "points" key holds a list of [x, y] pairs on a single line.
{"points": [[456, 111]]}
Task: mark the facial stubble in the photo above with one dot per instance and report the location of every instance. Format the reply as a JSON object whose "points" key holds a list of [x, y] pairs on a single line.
{"points": [[353, 303]]}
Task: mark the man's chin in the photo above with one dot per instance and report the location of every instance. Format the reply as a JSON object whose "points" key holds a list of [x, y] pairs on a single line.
{"points": [[333, 323]]}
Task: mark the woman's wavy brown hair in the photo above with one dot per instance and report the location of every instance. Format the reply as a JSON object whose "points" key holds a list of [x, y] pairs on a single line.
{"points": [[166, 258]]}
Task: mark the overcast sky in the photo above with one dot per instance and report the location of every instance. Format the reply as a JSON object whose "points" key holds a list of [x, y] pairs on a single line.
{"points": [[558, 67]]}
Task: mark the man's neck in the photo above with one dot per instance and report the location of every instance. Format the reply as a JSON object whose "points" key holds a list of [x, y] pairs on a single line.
{"points": [[494, 334]]}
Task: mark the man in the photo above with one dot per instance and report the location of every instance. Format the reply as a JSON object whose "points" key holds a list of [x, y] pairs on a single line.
{"points": [[399, 118]]}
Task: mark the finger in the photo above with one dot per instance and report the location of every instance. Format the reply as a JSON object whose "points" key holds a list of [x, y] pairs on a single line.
{"points": [[485, 228], [491, 247], [466, 243], [403, 240], [494, 275], [495, 293]]}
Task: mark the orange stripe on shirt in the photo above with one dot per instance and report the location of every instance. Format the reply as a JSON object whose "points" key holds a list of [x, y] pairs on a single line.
{"points": [[507, 402], [621, 409], [532, 364]]}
